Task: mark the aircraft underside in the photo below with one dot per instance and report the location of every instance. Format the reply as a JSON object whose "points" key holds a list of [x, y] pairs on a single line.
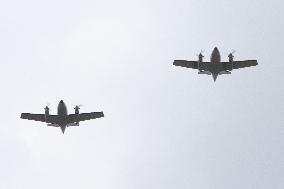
{"points": [[215, 66], [62, 119], [214, 75]]}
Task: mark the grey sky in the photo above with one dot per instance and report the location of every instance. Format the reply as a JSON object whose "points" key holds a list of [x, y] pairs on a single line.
{"points": [[164, 126]]}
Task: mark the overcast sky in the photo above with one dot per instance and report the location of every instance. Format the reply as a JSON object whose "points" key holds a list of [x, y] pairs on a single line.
{"points": [[165, 127]]}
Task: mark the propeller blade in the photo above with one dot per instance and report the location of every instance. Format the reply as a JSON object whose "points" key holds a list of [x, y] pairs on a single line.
{"points": [[47, 106], [78, 106], [232, 52], [201, 53]]}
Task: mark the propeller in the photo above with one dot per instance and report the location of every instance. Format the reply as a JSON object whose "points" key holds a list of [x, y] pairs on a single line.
{"points": [[201, 53], [231, 56], [47, 106], [231, 53], [78, 106]]}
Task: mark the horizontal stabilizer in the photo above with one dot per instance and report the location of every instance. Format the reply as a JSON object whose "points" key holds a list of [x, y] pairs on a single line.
{"points": [[224, 72], [53, 125], [204, 72], [73, 124]]}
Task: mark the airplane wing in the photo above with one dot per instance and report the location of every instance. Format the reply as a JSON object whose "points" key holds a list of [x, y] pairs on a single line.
{"points": [[239, 64], [39, 117], [84, 116], [187, 64], [204, 66], [243, 64]]}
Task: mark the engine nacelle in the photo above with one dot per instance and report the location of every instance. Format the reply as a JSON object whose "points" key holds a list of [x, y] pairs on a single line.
{"points": [[231, 57], [46, 111], [77, 108], [200, 60], [200, 57]]}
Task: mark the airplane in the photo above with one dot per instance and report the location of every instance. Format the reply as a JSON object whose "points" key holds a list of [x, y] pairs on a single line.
{"points": [[215, 67], [62, 119]]}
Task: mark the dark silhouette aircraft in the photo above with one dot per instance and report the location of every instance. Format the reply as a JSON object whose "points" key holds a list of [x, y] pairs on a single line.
{"points": [[215, 67], [62, 119]]}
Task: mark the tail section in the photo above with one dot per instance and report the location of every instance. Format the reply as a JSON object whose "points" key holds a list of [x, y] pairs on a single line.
{"points": [[214, 76], [63, 129]]}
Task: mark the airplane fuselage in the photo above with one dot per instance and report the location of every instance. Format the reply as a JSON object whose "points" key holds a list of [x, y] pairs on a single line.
{"points": [[62, 113], [215, 67], [62, 119], [216, 63], [215, 56]]}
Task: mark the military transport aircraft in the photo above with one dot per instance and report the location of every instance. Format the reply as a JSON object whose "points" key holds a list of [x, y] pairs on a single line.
{"points": [[215, 67], [62, 119]]}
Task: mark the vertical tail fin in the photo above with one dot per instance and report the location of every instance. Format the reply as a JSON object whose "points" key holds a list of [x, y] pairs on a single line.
{"points": [[214, 76]]}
